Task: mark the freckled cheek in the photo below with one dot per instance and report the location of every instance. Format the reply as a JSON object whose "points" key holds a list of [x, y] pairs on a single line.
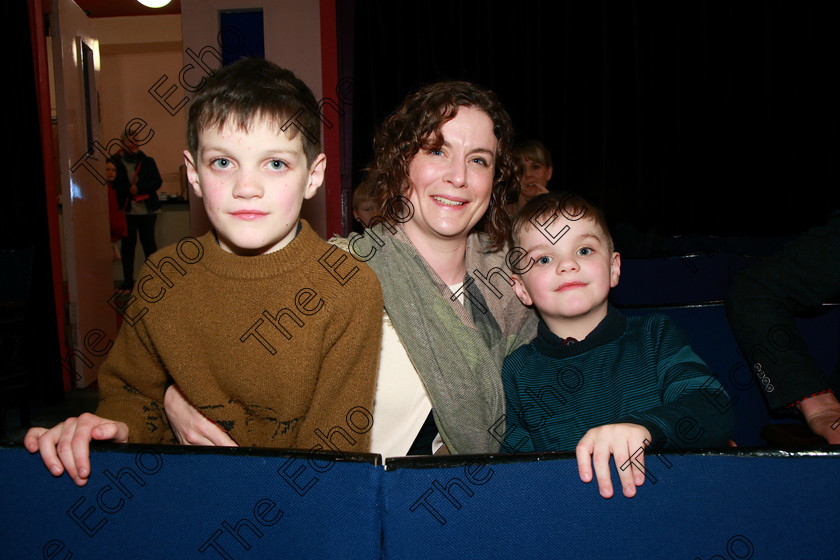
{"points": [[289, 199], [213, 199]]}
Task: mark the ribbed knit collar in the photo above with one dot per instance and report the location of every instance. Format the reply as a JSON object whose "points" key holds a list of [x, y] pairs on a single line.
{"points": [[296, 254], [609, 329]]}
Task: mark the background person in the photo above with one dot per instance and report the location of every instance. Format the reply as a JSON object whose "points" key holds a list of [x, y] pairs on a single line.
{"points": [[364, 207], [767, 298], [534, 168], [136, 184], [116, 217]]}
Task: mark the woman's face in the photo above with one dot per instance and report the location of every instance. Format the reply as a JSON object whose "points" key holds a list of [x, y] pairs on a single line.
{"points": [[450, 187], [534, 178]]}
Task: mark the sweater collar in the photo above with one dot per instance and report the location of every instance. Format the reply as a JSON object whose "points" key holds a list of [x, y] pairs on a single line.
{"points": [[297, 253], [609, 329]]}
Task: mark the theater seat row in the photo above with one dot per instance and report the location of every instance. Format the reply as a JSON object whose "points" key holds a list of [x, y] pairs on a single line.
{"points": [[678, 280], [203, 503], [712, 339]]}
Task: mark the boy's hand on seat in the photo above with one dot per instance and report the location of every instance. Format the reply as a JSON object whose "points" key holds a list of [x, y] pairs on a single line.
{"points": [[622, 441], [67, 445], [189, 425]]}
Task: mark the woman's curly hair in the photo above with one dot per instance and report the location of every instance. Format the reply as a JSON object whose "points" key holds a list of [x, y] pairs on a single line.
{"points": [[417, 125]]}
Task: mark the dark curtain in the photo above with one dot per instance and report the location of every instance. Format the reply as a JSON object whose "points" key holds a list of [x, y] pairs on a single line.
{"points": [[678, 117]]}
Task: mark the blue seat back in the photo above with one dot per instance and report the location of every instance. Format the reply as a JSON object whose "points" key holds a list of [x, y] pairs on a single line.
{"points": [[672, 280], [164, 502], [223, 503], [712, 339]]}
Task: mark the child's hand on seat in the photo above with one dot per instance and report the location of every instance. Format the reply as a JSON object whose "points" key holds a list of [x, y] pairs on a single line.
{"points": [[189, 425], [622, 441], [67, 445]]}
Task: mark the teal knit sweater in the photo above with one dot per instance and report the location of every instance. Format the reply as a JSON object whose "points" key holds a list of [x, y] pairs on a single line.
{"points": [[639, 370]]}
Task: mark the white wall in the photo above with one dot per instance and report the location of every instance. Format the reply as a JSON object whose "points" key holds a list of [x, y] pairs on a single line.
{"points": [[135, 53], [292, 40]]}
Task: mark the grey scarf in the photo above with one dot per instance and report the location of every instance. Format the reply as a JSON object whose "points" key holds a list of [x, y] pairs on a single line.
{"points": [[457, 349]]}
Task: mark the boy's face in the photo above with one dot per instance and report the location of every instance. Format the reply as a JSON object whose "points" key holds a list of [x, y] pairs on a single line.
{"points": [[571, 279], [366, 211], [253, 184]]}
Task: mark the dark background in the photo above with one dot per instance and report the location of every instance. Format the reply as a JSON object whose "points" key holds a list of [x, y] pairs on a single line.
{"points": [[679, 117]]}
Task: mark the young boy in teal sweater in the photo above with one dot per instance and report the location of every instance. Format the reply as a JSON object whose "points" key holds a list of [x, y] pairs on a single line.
{"points": [[594, 380]]}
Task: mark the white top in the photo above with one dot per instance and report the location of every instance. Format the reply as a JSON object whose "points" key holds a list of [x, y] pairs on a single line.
{"points": [[401, 405]]}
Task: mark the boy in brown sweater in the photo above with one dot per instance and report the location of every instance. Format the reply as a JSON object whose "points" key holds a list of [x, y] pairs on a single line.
{"points": [[262, 328]]}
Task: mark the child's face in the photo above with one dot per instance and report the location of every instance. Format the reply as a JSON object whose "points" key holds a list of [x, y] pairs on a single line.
{"points": [[110, 172], [253, 184], [366, 211], [571, 279]]}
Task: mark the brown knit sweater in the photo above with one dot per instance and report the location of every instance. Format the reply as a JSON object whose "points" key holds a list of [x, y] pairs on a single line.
{"points": [[213, 323]]}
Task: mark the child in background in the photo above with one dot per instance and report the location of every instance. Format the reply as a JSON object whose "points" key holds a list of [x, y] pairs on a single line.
{"points": [[116, 217], [594, 380], [364, 207], [220, 325]]}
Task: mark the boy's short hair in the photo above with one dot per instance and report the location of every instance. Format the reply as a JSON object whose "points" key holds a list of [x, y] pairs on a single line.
{"points": [[572, 206], [533, 150], [254, 87]]}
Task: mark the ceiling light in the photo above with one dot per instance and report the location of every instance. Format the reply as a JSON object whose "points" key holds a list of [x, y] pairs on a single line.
{"points": [[154, 3]]}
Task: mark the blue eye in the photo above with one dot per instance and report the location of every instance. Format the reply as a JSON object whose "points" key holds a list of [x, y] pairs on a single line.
{"points": [[221, 163], [544, 260], [277, 164], [585, 251], [481, 161]]}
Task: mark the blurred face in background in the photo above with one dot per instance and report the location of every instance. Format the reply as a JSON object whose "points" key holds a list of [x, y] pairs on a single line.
{"points": [[110, 172], [534, 177], [365, 211]]}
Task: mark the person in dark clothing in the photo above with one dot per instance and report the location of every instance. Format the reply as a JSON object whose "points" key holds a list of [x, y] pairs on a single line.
{"points": [[765, 300], [136, 185]]}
